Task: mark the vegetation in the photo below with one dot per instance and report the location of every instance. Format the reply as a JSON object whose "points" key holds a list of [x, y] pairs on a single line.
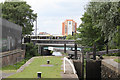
{"points": [[72, 37], [31, 50], [69, 37], [19, 13], [15, 66], [100, 25], [89, 33], [64, 54], [117, 60], [47, 72]]}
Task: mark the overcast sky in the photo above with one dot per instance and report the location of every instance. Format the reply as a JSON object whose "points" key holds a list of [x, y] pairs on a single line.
{"points": [[51, 13]]}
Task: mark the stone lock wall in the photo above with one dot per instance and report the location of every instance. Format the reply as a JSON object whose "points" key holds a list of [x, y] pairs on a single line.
{"points": [[12, 57], [78, 68], [110, 72]]}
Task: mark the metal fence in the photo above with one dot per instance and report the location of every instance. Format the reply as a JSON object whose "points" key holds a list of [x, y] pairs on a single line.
{"points": [[11, 36]]}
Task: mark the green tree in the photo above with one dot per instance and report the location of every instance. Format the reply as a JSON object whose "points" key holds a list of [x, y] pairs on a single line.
{"points": [[31, 50], [69, 37], [101, 24], [19, 13], [89, 33], [106, 16]]}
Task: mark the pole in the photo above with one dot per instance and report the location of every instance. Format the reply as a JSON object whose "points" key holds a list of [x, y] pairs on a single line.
{"points": [[75, 51], [36, 27], [64, 48], [94, 51], [107, 48]]}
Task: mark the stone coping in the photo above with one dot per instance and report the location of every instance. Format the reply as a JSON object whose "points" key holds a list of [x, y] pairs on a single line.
{"points": [[10, 52], [110, 63], [111, 57]]}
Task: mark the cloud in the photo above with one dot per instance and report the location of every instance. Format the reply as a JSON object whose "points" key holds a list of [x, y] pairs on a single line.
{"points": [[51, 13], [53, 25]]}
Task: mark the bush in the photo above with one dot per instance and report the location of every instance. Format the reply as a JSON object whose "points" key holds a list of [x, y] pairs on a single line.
{"points": [[31, 50]]}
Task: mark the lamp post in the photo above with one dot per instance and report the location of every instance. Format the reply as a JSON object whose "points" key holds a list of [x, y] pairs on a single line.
{"points": [[75, 47], [36, 27]]}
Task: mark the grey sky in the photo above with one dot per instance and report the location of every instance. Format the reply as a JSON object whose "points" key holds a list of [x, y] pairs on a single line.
{"points": [[51, 13]]}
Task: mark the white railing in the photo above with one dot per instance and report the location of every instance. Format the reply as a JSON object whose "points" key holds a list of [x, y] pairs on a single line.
{"points": [[73, 68]]}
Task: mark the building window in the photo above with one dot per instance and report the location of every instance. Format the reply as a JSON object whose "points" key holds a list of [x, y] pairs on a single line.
{"points": [[65, 28], [69, 22], [74, 27]]}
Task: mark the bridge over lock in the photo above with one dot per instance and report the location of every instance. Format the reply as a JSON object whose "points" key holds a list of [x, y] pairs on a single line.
{"points": [[55, 43]]}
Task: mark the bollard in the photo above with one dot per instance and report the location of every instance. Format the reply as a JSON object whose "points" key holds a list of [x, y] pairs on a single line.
{"points": [[48, 61], [39, 74]]}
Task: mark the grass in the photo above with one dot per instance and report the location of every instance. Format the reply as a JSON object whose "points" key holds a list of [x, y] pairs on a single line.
{"points": [[15, 66], [47, 72], [117, 60], [64, 54]]}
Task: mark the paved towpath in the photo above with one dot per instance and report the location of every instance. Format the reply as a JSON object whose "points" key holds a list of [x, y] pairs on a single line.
{"points": [[7, 74], [112, 64], [69, 72]]}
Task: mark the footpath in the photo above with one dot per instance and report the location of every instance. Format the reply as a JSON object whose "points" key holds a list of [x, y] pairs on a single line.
{"points": [[68, 75]]}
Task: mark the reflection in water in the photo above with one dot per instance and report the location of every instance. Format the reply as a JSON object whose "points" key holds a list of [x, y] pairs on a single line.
{"points": [[57, 54]]}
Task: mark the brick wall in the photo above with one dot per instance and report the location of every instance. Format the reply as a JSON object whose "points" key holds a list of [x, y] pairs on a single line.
{"points": [[12, 57]]}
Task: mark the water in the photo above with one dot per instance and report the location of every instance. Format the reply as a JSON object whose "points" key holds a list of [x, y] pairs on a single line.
{"points": [[67, 48], [57, 54]]}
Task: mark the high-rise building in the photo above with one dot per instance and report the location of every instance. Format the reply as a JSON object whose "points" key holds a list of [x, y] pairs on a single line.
{"points": [[69, 27]]}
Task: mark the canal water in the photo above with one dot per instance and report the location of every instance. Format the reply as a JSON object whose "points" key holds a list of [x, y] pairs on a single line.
{"points": [[67, 48], [59, 53], [56, 54]]}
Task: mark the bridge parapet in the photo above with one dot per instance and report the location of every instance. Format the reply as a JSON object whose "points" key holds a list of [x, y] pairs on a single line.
{"points": [[53, 41]]}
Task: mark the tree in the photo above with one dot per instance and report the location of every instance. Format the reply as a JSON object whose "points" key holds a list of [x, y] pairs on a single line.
{"points": [[101, 24], [31, 50], [105, 15], [69, 37], [19, 13], [89, 33]]}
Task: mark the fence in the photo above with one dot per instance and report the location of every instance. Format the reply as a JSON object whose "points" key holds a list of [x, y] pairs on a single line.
{"points": [[11, 36]]}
